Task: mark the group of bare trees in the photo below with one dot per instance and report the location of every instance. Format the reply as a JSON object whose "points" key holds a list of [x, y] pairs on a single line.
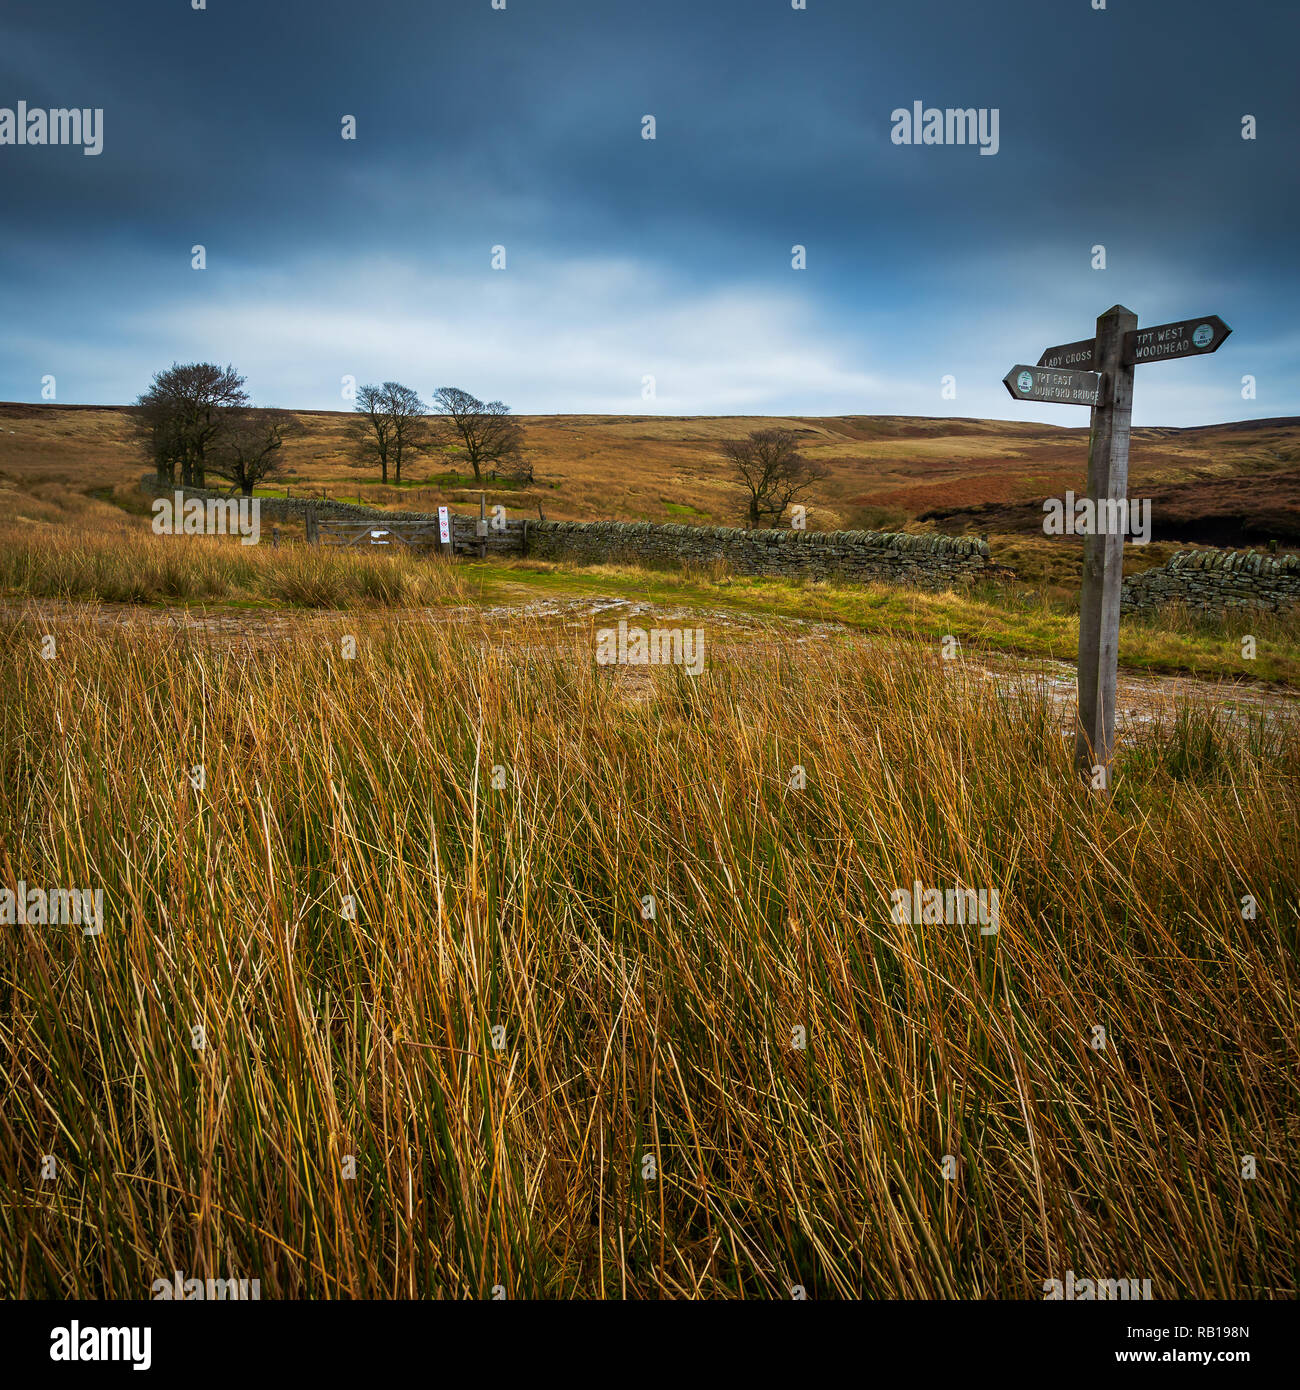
{"points": [[197, 419], [484, 435], [388, 427], [392, 423]]}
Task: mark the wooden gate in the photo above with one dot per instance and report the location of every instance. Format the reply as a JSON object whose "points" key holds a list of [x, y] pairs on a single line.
{"points": [[412, 534]]}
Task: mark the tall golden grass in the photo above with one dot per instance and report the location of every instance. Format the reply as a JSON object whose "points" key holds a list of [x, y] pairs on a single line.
{"points": [[128, 564], [627, 1038]]}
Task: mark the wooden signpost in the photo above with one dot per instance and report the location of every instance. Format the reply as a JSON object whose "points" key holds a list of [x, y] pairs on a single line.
{"points": [[1186, 338], [1053, 384], [1099, 372], [1070, 355]]}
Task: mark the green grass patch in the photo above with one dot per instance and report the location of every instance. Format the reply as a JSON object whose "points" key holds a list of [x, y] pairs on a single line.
{"points": [[986, 618]]}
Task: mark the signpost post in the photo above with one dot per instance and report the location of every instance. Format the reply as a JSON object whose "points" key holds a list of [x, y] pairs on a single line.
{"points": [[1099, 372], [1103, 555]]}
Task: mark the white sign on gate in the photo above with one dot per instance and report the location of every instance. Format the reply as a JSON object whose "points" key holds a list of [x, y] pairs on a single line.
{"points": [[444, 526]]}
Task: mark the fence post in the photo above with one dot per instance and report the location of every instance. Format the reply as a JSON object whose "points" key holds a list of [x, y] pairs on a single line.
{"points": [[313, 532]]}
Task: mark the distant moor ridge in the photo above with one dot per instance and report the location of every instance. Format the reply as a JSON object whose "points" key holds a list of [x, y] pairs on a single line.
{"points": [[1231, 485]]}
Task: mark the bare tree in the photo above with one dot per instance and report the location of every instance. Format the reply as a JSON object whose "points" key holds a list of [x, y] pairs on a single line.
{"points": [[372, 431], [772, 471], [183, 413], [410, 422], [483, 434], [158, 432], [390, 425], [250, 447]]}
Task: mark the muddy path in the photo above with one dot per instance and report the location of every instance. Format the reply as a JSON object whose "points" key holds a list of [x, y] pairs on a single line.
{"points": [[1144, 698]]}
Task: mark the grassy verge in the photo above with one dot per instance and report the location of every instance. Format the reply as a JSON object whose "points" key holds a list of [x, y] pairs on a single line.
{"points": [[1009, 618]]}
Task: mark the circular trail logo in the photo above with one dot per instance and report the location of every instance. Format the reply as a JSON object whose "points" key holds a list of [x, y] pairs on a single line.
{"points": [[1025, 381], [1203, 336]]}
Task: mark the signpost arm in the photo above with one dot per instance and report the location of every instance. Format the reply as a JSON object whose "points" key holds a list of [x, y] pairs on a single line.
{"points": [[1103, 554]]}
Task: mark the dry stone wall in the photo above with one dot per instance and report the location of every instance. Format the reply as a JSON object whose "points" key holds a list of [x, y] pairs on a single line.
{"points": [[930, 562], [1217, 579], [285, 509], [919, 561]]}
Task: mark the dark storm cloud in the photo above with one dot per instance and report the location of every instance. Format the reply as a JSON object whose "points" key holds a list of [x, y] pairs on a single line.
{"points": [[628, 257]]}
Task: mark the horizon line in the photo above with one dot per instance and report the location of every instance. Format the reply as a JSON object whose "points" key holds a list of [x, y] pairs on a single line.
{"points": [[628, 415]]}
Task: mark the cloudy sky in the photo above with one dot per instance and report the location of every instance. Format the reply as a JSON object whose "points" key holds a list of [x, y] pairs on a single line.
{"points": [[671, 258]]}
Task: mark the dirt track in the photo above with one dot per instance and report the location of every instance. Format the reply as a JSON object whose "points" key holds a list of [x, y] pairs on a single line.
{"points": [[1143, 699]]}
